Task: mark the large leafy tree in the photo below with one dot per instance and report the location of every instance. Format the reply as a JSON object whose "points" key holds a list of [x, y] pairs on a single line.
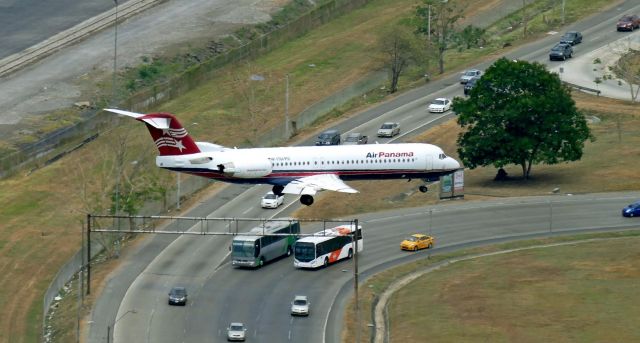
{"points": [[519, 113]]}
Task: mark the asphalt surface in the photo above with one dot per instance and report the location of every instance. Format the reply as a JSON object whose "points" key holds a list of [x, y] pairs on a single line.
{"points": [[220, 294]]}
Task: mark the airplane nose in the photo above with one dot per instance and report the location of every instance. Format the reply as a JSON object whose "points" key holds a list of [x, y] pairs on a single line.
{"points": [[452, 163]]}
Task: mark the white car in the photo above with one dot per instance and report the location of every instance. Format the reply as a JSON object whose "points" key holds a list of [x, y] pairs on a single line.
{"points": [[236, 332], [300, 306], [440, 105], [389, 130], [271, 200], [469, 74]]}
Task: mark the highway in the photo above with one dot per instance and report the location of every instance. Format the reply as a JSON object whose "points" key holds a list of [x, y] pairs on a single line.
{"points": [[219, 293]]}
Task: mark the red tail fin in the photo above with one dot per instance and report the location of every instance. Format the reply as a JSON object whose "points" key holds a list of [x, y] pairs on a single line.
{"points": [[169, 135]]}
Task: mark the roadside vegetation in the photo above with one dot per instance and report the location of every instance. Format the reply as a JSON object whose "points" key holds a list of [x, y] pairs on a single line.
{"points": [[42, 211], [585, 291]]}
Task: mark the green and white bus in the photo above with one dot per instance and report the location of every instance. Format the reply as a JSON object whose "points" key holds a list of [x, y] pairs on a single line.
{"points": [[256, 248]]}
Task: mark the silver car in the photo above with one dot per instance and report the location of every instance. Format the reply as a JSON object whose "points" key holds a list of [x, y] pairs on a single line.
{"points": [[236, 332], [469, 74], [300, 306], [389, 130]]}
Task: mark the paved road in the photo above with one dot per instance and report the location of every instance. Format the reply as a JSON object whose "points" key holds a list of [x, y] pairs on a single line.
{"points": [[259, 297]]}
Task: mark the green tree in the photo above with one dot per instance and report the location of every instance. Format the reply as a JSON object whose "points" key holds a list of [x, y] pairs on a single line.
{"points": [[519, 113], [435, 20], [470, 37], [400, 49]]}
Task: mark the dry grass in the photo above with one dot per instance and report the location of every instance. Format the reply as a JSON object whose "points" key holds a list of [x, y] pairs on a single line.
{"points": [[585, 293], [531, 296], [41, 214]]}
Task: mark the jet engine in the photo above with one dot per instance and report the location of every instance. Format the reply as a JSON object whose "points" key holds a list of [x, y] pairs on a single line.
{"points": [[245, 169]]}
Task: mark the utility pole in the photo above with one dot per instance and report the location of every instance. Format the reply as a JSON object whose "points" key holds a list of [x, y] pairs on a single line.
{"points": [[563, 12], [429, 24], [286, 109], [178, 193], [115, 56]]}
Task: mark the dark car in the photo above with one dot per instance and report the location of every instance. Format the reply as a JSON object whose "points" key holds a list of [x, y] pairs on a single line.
{"points": [[571, 37], [469, 85], [355, 138], [329, 137], [178, 296], [628, 23], [561, 51], [632, 210]]}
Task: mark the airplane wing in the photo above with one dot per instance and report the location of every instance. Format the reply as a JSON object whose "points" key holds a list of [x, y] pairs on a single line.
{"points": [[313, 184]]}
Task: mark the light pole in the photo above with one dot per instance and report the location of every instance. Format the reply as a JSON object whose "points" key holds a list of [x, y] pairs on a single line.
{"points": [[109, 338], [115, 56], [286, 109], [178, 193]]}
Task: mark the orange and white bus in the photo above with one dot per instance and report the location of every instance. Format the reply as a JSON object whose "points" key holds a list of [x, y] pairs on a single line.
{"points": [[326, 247]]}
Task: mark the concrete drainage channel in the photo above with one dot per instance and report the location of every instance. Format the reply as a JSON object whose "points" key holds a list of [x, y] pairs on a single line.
{"points": [[74, 34]]}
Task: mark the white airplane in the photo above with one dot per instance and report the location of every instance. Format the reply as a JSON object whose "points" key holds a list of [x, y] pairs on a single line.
{"points": [[302, 171]]}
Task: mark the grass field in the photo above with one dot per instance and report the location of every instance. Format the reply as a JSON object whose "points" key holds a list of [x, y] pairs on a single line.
{"points": [[583, 292], [41, 213]]}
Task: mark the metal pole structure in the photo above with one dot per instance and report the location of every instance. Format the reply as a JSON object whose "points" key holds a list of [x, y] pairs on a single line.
{"points": [[430, 222], [562, 12], [88, 254], [178, 194], [115, 55], [429, 24], [286, 109], [550, 217], [355, 280]]}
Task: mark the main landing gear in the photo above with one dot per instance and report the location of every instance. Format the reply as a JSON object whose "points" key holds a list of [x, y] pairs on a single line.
{"points": [[277, 190], [306, 199]]}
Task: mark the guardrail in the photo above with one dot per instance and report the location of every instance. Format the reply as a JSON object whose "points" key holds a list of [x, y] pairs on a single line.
{"points": [[582, 88], [72, 35]]}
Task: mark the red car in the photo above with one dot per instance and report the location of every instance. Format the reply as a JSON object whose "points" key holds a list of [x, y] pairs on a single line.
{"points": [[628, 23]]}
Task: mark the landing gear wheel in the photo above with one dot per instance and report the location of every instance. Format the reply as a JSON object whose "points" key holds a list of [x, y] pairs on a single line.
{"points": [[277, 189], [423, 189], [289, 251], [306, 199], [326, 262], [261, 262], [350, 254]]}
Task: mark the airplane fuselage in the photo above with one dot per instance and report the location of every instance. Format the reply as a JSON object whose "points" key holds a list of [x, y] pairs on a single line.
{"points": [[279, 166]]}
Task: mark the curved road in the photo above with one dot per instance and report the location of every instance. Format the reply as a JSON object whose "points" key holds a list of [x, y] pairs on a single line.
{"points": [[260, 298]]}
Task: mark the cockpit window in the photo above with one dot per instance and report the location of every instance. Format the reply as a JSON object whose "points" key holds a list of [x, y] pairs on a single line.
{"points": [[442, 156]]}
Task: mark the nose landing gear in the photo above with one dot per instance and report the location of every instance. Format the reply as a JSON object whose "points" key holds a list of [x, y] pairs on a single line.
{"points": [[423, 189]]}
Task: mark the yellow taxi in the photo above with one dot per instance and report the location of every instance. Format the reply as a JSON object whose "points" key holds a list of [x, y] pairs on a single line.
{"points": [[417, 241]]}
